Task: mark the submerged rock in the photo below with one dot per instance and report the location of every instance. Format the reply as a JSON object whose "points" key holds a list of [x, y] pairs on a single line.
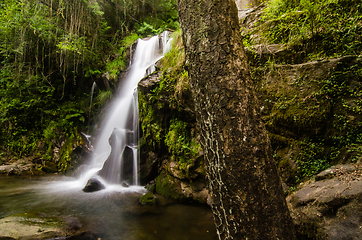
{"points": [[33, 226], [148, 199], [18, 227], [93, 185]]}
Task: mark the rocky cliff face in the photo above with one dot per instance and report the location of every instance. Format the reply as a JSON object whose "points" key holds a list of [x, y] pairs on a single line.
{"points": [[312, 110], [169, 134]]}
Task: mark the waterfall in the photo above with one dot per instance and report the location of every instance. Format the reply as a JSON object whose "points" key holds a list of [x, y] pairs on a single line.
{"points": [[166, 42], [115, 156], [91, 102]]}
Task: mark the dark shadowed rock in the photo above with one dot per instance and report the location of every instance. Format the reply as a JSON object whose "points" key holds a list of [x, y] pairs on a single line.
{"points": [[49, 167], [149, 83], [127, 164], [93, 185], [73, 224]]}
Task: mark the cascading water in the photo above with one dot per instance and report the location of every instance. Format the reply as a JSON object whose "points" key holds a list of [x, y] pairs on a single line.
{"points": [[91, 101], [115, 156]]}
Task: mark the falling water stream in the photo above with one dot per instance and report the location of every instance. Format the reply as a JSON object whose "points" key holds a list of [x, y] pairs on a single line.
{"points": [[119, 128], [114, 212], [91, 102], [116, 153]]}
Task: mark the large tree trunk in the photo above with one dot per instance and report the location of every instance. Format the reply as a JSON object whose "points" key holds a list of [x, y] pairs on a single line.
{"points": [[247, 198]]}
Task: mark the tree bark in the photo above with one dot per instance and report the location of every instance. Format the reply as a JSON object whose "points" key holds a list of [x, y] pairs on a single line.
{"points": [[247, 197]]}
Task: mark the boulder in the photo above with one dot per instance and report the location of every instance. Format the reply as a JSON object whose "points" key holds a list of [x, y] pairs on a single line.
{"points": [[33, 226], [93, 185], [147, 199], [149, 83], [21, 167], [149, 167], [25, 227], [330, 208], [185, 189]]}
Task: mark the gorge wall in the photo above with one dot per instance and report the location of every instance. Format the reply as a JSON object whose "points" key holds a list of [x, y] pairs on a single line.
{"points": [[311, 108]]}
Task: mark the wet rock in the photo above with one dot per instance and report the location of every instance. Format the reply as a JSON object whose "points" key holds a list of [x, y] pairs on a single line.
{"points": [[73, 224], [28, 166], [17, 167], [148, 199], [93, 185], [151, 186], [193, 190], [49, 167], [124, 184], [180, 173], [25, 228], [169, 187], [127, 165], [37, 226], [78, 157], [149, 83], [149, 167]]}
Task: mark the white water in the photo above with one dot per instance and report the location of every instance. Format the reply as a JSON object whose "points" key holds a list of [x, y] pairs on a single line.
{"points": [[91, 102], [123, 120]]}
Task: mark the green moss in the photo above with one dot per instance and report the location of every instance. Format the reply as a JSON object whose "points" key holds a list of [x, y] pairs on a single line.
{"points": [[147, 199], [65, 152], [169, 130], [314, 122], [180, 143], [119, 62], [151, 125], [174, 79], [322, 28], [37, 219], [166, 185], [312, 158]]}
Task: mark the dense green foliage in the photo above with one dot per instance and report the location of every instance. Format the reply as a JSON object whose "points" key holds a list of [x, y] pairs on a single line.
{"points": [[175, 132], [323, 27], [180, 143], [315, 122], [51, 52]]}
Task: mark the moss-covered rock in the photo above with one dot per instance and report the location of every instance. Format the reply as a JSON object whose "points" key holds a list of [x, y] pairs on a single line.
{"points": [[49, 167], [170, 149], [311, 111], [169, 186], [148, 199]]}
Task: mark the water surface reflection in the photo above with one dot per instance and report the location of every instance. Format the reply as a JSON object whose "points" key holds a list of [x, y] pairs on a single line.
{"points": [[113, 213]]}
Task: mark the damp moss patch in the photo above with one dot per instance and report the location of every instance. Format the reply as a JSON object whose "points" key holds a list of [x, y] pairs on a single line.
{"points": [[148, 199]]}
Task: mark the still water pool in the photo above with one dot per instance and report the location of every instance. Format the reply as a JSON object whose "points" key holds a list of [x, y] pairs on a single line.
{"points": [[113, 213]]}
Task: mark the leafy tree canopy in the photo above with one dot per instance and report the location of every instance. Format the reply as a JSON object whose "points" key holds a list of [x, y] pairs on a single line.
{"points": [[52, 51]]}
